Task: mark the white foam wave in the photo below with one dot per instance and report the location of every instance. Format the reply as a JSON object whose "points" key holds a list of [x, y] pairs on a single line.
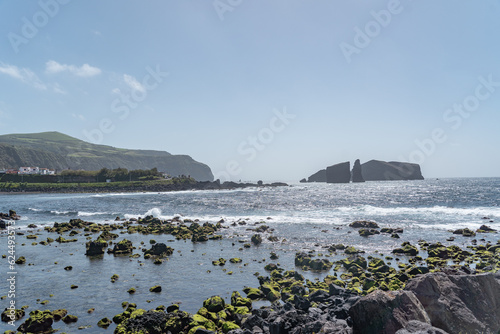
{"points": [[88, 214], [435, 210]]}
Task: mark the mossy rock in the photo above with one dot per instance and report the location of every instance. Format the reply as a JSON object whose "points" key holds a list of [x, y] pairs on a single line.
{"points": [[38, 322], [465, 232], [160, 250], [104, 323], [352, 250], [96, 247], [114, 278], [68, 319], [9, 315], [106, 235], [123, 247], [199, 320], [256, 239], [131, 290], [270, 267], [237, 300], [229, 326], [214, 304], [365, 232], [273, 295], [21, 260], [31, 236], [274, 256], [253, 293], [172, 308], [364, 223], [235, 260], [156, 288], [407, 249]]}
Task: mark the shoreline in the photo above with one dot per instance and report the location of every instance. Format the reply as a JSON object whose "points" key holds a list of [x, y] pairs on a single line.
{"points": [[331, 299], [134, 187]]}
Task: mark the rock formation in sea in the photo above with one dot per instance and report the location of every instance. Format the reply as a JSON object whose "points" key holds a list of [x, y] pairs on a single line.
{"points": [[319, 176], [339, 173], [373, 170], [376, 170], [357, 175]]}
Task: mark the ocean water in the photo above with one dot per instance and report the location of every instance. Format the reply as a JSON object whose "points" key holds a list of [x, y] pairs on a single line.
{"points": [[302, 216]]}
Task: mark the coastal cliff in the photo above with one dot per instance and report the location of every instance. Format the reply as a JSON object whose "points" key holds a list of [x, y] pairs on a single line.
{"points": [[58, 151]]}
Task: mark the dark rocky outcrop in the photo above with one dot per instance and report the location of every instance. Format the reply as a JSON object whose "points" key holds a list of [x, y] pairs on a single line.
{"points": [[357, 176], [319, 176], [386, 312], [373, 170], [460, 303], [376, 170], [339, 173]]}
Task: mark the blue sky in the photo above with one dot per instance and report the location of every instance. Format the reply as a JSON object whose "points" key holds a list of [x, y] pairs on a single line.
{"points": [[271, 90]]}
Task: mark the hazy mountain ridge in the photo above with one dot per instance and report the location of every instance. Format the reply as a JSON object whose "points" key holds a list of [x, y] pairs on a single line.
{"points": [[59, 151]]}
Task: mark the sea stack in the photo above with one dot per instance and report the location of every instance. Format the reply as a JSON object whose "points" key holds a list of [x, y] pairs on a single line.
{"points": [[339, 173], [357, 176], [319, 176]]}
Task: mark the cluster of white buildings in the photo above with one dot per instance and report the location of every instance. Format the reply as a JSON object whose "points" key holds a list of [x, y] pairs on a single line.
{"points": [[29, 171]]}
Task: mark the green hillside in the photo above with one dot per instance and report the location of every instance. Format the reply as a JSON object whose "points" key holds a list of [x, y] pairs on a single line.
{"points": [[59, 151]]}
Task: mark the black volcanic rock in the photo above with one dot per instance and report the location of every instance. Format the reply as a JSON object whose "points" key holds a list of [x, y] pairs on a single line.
{"points": [[339, 173], [319, 176], [357, 175], [376, 170]]}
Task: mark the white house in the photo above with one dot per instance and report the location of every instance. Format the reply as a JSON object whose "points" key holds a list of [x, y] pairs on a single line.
{"points": [[46, 171], [29, 170]]}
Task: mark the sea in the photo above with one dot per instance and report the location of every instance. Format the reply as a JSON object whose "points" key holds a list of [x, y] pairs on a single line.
{"points": [[304, 217]]}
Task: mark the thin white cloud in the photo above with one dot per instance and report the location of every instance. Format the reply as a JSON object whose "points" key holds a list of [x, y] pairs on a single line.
{"points": [[116, 91], [22, 74], [133, 83], [96, 32], [85, 70], [57, 89], [79, 116]]}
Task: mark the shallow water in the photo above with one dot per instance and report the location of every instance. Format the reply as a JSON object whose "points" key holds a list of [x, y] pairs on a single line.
{"points": [[308, 216]]}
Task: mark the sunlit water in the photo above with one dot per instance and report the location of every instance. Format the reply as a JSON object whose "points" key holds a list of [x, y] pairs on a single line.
{"points": [[308, 216]]}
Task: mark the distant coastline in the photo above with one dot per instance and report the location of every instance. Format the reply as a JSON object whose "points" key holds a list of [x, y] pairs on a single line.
{"points": [[175, 184]]}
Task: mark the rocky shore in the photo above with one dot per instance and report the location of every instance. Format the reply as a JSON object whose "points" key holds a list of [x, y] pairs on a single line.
{"points": [[436, 289], [137, 187]]}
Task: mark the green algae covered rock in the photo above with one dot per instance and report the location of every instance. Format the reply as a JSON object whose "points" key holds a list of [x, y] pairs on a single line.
{"points": [[123, 247], [96, 247], [39, 321], [214, 304], [256, 239], [229, 326], [253, 293], [104, 323], [9, 315], [156, 288], [406, 249]]}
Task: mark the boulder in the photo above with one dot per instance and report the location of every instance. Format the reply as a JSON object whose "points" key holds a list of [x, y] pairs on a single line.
{"points": [[364, 224], [460, 303], [386, 312], [38, 322], [339, 173], [485, 229], [160, 249], [123, 247], [357, 176], [96, 247], [418, 327]]}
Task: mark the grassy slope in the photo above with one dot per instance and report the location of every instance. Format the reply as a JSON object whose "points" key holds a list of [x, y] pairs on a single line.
{"points": [[68, 152]]}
